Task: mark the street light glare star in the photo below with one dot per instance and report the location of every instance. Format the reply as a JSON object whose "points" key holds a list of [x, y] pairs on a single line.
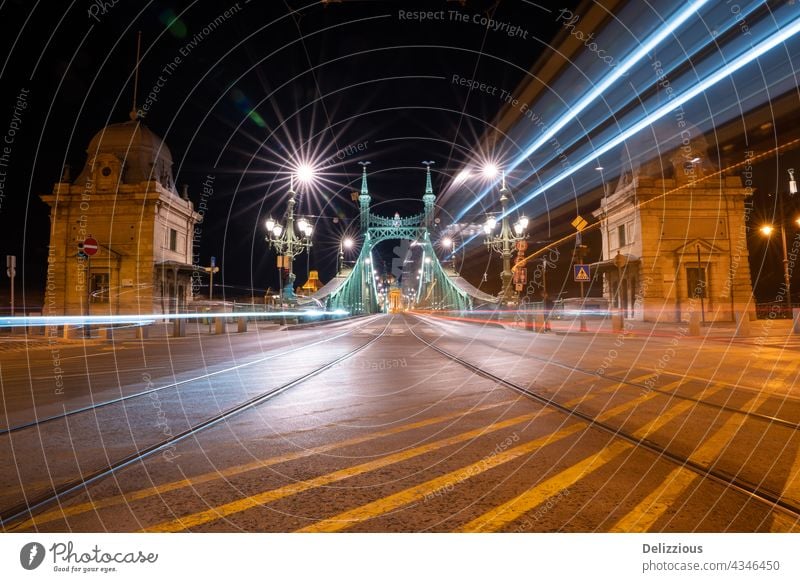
{"points": [[767, 229], [348, 243], [490, 170], [447, 242], [305, 173]]}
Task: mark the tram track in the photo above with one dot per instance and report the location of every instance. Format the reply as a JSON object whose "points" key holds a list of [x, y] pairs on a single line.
{"points": [[27, 509], [98, 405], [770, 419], [751, 490]]}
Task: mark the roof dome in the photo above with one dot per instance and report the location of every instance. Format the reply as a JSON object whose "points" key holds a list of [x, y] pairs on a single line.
{"points": [[142, 154]]}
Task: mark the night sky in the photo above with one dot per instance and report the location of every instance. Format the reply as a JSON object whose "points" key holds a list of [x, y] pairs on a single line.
{"points": [[246, 90]]}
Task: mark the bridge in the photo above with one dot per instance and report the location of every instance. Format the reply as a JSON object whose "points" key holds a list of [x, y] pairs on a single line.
{"points": [[439, 288]]}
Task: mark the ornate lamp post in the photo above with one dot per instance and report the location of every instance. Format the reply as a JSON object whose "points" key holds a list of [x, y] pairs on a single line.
{"points": [[504, 242], [288, 243]]}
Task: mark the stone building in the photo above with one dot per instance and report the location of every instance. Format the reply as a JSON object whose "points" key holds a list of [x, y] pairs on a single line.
{"points": [[675, 235], [125, 199]]}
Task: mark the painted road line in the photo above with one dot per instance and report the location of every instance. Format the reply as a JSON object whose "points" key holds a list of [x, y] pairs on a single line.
{"points": [[240, 505], [504, 514], [443, 483], [57, 514], [667, 415], [642, 517], [376, 508]]}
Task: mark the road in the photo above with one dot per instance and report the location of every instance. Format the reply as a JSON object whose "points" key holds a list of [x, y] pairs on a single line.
{"points": [[403, 423]]}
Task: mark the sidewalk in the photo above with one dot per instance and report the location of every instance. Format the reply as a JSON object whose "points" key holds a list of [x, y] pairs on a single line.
{"points": [[775, 332]]}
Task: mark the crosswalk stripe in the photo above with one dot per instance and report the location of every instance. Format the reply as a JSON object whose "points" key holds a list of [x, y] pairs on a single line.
{"points": [[676, 485], [418, 492], [504, 514], [642, 517], [665, 416], [239, 469], [268, 496], [245, 503], [370, 510]]}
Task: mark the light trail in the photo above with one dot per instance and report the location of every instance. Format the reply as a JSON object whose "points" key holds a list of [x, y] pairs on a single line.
{"points": [[678, 101], [148, 318], [671, 26]]}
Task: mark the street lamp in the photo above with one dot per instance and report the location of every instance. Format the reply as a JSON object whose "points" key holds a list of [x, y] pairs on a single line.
{"points": [[768, 229], [503, 243], [286, 242], [345, 243]]}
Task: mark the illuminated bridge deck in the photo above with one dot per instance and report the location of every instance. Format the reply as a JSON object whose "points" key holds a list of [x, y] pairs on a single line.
{"points": [[402, 423]]}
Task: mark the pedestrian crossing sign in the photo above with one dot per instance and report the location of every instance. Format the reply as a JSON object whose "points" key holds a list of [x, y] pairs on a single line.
{"points": [[582, 273]]}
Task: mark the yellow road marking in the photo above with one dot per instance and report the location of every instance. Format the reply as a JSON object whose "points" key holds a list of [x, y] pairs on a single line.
{"points": [[240, 505], [642, 517], [239, 469], [507, 512], [386, 504], [665, 416], [647, 512], [370, 510]]}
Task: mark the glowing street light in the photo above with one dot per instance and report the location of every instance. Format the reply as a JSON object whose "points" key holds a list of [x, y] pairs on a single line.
{"points": [[504, 242], [345, 243], [490, 171], [767, 229], [286, 242], [305, 173]]}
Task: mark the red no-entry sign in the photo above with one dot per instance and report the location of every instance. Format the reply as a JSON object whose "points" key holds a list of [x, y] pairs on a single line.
{"points": [[90, 246]]}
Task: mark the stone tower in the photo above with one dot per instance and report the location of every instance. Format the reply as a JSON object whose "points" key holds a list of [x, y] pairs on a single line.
{"points": [[125, 198], [674, 233]]}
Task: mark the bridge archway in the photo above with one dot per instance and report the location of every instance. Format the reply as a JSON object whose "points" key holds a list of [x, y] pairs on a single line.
{"points": [[355, 290]]}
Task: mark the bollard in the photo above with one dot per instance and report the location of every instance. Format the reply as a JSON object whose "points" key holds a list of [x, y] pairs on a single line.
{"points": [[538, 324], [742, 319], [178, 327], [219, 325], [694, 323], [530, 321], [242, 325], [142, 332], [795, 320], [108, 334], [616, 322]]}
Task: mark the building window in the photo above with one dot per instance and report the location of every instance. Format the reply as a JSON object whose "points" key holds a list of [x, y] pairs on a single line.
{"points": [[99, 288], [621, 238], [696, 281], [173, 239]]}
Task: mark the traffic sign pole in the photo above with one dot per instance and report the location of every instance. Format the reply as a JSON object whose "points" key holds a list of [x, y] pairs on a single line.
{"points": [[580, 252], [11, 266]]}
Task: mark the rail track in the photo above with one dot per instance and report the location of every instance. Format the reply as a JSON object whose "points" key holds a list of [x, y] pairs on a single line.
{"points": [[751, 490], [793, 425], [97, 405], [27, 509]]}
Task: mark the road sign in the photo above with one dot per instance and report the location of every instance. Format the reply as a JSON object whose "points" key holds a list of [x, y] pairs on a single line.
{"points": [[579, 223], [213, 261], [582, 273], [90, 246]]}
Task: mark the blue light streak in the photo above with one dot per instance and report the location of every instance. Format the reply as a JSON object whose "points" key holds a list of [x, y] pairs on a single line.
{"points": [[674, 23], [149, 318], [747, 57]]}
